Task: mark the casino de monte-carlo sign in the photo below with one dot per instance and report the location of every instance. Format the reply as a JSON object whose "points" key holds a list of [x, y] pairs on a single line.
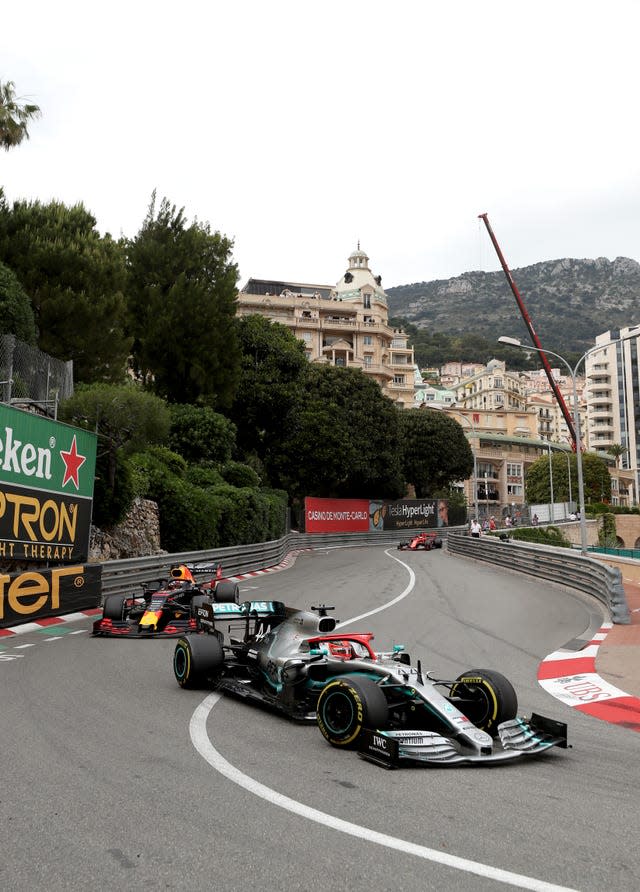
{"points": [[47, 471]]}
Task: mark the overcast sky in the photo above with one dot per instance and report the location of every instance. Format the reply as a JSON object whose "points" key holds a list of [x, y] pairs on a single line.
{"points": [[299, 128]]}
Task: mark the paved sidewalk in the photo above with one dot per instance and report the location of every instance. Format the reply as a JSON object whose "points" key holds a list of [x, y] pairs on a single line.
{"points": [[618, 659]]}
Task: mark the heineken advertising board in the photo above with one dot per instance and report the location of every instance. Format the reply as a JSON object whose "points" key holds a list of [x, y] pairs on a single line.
{"points": [[47, 471]]}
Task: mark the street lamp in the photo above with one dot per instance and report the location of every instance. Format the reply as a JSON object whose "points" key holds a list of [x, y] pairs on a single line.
{"points": [[475, 464], [514, 342]]}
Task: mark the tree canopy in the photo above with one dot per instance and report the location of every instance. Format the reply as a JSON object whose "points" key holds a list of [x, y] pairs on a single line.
{"points": [[126, 419], [342, 440], [201, 435], [596, 478], [16, 315], [75, 279], [434, 451], [272, 372], [182, 308]]}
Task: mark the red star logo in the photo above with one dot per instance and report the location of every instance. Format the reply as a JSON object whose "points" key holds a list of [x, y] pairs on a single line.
{"points": [[73, 462]]}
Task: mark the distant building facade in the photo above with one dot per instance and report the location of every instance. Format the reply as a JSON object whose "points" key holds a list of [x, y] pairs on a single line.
{"points": [[492, 387], [343, 325]]}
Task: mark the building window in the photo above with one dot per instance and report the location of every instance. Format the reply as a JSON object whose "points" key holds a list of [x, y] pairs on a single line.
{"points": [[367, 301], [398, 379], [367, 341], [514, 469], [368, 361]]}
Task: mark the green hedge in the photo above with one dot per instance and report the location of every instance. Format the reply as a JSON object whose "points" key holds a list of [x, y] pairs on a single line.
{"points": [[539, 535], [199, 510]]}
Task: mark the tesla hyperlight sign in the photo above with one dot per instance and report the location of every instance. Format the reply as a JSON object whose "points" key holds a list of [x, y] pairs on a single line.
{"points": [[47, 471]]}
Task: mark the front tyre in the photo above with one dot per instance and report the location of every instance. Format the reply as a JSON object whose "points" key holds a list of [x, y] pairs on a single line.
{"points": [[197, 659], [486, 697], [114, 606], [346, 706]]}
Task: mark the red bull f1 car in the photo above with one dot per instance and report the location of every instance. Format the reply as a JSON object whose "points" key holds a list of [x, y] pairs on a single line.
{"points": [[167, 609], [425, 541], [300, 664]]}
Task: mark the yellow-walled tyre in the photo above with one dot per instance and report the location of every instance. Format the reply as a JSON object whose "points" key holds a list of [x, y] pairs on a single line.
{"points": [[486, 697], [197, 659], [346, 706]]}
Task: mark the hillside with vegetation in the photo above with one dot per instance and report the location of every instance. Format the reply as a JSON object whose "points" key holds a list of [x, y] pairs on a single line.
{"points": [[569, 302]]}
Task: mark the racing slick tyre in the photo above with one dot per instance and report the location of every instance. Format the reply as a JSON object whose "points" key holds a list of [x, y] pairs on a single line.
{"points": [[488, 698], [197, 659], [227, 593], [113, 607], [346, 706]]}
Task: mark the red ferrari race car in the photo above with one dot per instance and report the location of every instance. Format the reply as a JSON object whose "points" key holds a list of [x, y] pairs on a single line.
{"points": [[427, 541], [167, 609]]}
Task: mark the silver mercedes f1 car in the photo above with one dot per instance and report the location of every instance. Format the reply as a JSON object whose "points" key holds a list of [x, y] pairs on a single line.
{"points": [[394, 713]]}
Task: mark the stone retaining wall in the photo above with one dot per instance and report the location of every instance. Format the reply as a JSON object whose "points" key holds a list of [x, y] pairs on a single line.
{"points": [[137, 536]]}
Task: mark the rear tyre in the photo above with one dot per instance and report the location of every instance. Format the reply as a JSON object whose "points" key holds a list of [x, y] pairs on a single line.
{"points": [[113, 607], [487, 698], [227, 593], [197, 660], [346, 706]]}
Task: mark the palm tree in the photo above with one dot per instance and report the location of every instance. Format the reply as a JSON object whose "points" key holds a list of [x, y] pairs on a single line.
{"points": [[14, 117], [616, 450]]}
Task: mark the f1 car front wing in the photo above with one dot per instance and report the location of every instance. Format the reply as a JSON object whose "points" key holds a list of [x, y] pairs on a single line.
{"points": [[517, 738]]}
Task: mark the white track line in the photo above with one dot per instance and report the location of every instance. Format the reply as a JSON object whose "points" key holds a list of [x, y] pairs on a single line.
{"points": [[202, 743]]}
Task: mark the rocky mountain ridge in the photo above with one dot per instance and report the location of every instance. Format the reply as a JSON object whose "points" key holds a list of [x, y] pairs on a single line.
{"points": [[569, 301]]}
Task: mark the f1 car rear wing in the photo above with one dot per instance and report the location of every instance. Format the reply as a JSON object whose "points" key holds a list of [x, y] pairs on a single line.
{"points": [[250, 615]]}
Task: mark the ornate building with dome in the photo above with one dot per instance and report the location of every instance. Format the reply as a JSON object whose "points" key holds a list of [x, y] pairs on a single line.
{"points": [[344, 324]]}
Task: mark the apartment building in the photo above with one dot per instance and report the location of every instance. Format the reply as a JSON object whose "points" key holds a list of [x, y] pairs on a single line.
{"points": [[345, 324], [504, 445], [492, 387], [613, 396]]}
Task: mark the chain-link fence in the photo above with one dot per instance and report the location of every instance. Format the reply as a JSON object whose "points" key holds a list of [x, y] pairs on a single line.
{"points": [[30, 378]]}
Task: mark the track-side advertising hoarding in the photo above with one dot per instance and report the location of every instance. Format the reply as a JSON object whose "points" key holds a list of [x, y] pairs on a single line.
{"points": [[34, 594], [364, 515], [47, 471]]}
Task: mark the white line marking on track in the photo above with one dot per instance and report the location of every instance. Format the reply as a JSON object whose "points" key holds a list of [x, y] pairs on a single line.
{"points": [[202, 743]]}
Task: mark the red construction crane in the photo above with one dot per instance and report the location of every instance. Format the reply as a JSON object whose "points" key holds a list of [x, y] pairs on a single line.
{"points": [[534, 337]]}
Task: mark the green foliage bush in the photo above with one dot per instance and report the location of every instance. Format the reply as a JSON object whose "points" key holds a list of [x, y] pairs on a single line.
{"points": [[199, 509], [541, 535], [238, 474], [201, 435], [597, 508], [607, 534], [111, 504], [204, 477]]}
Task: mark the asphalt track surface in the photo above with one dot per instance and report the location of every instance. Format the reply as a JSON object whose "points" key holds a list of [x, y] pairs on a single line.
{"points": [[116, 779]]}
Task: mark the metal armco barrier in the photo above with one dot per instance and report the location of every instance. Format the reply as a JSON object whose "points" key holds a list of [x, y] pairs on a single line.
{"points": [[129, 575], [559, 565]]}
